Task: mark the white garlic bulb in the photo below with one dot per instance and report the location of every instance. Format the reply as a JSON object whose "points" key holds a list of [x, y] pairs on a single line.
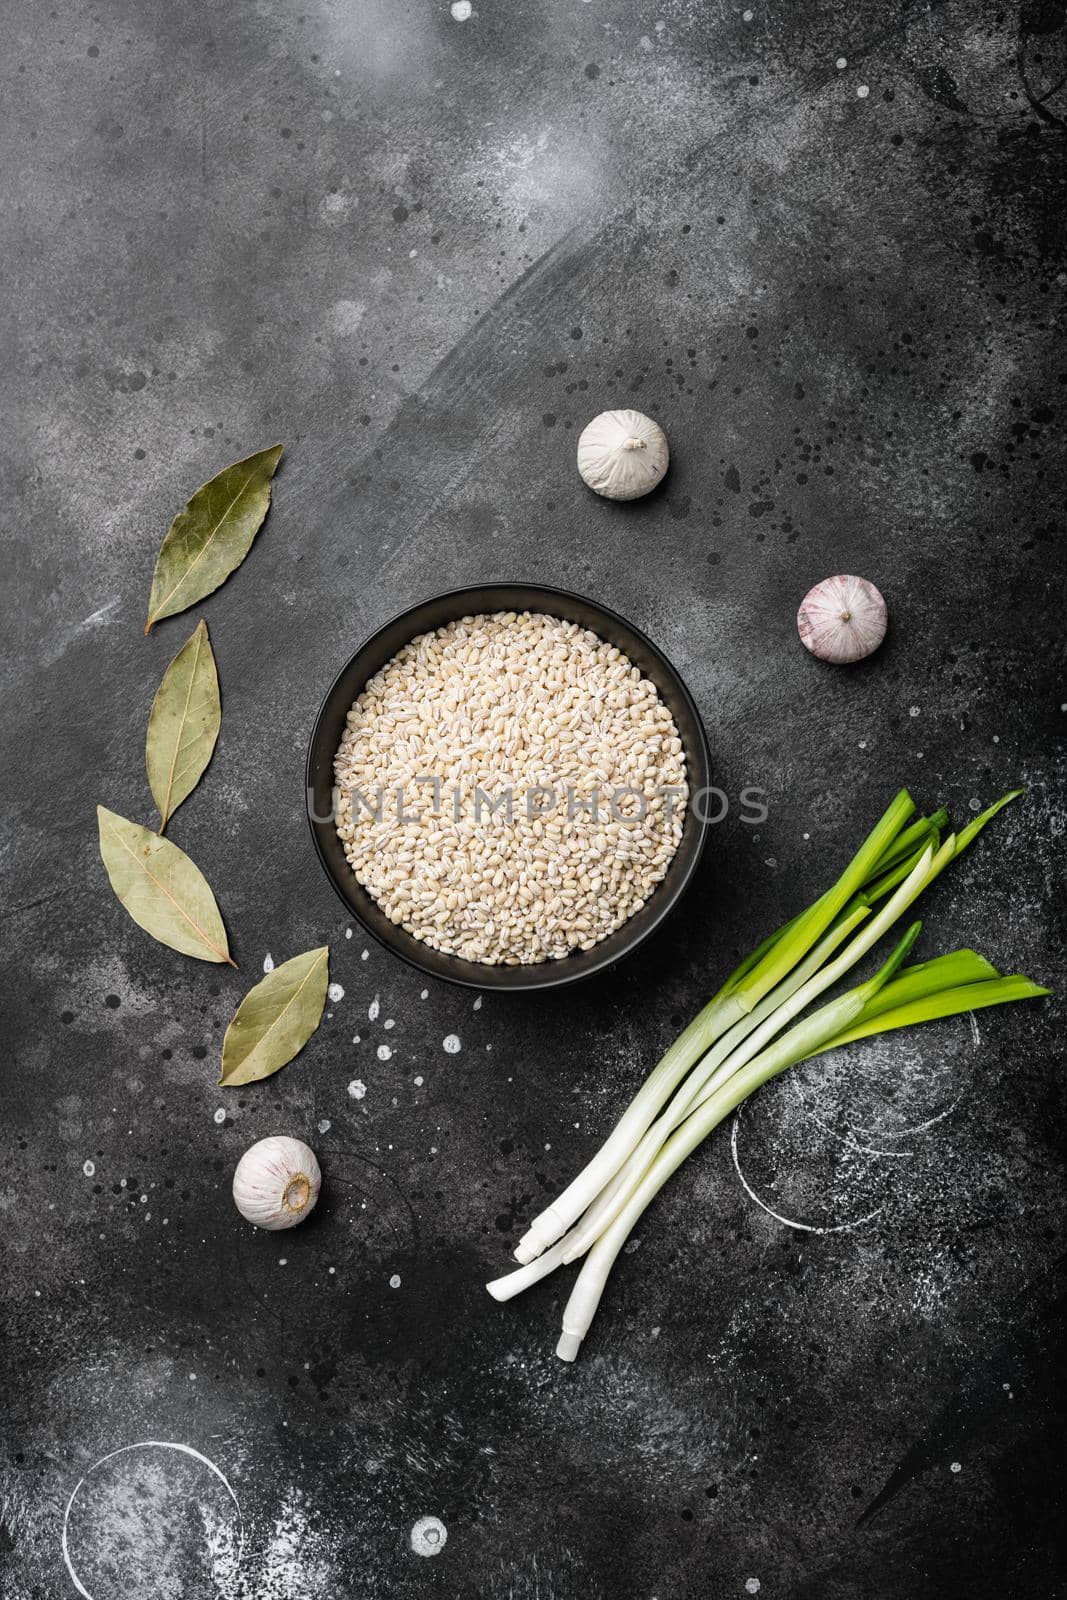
{"points": [[622, 454], [277, 1182], [842, 619]]}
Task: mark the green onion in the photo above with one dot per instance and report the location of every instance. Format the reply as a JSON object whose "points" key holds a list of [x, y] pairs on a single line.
{"points": [[737, 1042], [824, 1030]]}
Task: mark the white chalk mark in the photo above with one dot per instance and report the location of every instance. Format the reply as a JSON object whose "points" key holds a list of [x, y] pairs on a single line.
{"points": [[98, 616], [789, 1222], [143, 1444], [846, 1139], [895, 1133], [921, 1127]]}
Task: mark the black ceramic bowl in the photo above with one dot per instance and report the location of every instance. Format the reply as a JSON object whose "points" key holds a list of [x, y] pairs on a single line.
{"points": [[425, 618]]}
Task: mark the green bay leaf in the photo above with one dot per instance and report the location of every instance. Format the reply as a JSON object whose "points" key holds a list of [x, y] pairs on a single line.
{"points": [[165, 893], [183, 725], [276, 1019], [212, 534]]}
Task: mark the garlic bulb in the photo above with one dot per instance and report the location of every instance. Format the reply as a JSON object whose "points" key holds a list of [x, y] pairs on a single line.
{"points": [[842, 619], [276, 1183], [622, 454]]}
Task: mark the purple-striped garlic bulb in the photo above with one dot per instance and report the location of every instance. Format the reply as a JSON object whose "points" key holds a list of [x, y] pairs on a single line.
{"points": [[277, 1182], [842, 619]]}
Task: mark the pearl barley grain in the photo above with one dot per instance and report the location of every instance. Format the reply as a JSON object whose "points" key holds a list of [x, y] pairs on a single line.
{"points": [[511, 788]]}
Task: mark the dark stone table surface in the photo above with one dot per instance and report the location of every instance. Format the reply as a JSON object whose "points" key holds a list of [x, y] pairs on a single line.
{"points": [[823, 245]]}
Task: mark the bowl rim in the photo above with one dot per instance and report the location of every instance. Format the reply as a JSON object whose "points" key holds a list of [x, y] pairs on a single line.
{"points": [[560, 973]]}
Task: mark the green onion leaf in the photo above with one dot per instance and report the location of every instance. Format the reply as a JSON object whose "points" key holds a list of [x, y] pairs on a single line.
{"points": [[930, 977], [913, 838], [947, 1003]]}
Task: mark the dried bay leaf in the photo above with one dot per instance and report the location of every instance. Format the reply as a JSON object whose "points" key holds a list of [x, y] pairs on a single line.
{"points": [[276, 1019], [183, 725], [165, 893], [212, 534]]}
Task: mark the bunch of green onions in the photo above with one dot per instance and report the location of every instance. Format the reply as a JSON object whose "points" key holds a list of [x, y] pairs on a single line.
{"points": [[742, 1038]]}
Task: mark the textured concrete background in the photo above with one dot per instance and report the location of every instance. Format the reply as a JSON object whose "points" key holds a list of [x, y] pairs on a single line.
{"points": [[823, 244]]}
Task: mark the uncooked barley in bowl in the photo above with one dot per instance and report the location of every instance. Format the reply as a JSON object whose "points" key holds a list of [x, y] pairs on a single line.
{"points": [[510, 788]]}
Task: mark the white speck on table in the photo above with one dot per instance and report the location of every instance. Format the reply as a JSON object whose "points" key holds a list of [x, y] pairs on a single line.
{"points": [[429, 1535]]}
